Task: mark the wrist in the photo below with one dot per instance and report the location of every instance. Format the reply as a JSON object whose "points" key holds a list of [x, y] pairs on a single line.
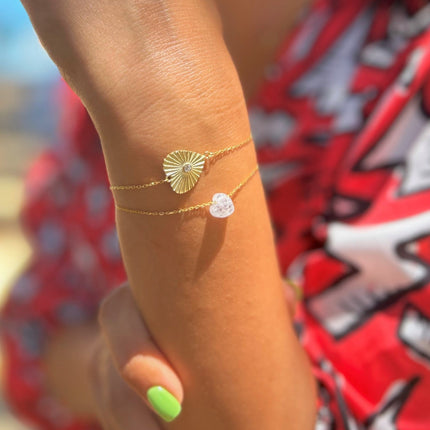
{"points": [[136, 137], [181, 57]]}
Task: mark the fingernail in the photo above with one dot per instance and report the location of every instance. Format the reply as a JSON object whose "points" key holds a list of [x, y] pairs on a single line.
{"points": [[164, 403]]}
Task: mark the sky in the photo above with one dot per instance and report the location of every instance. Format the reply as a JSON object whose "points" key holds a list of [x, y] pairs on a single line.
{"points": [[22, 58]]}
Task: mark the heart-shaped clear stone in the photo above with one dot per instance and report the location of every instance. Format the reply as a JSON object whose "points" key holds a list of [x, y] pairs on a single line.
{"points": [[222, 205]]}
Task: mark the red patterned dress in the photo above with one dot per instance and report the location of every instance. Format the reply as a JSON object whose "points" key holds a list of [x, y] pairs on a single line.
{"points": [[342, 130]]}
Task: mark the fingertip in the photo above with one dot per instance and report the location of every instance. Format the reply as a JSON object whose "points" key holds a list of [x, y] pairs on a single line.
{"points": [[144, 371], [163, 403], [136, 356]]}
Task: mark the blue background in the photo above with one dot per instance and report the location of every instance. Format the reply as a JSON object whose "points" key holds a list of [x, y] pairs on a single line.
{"points": [[22, 58]]}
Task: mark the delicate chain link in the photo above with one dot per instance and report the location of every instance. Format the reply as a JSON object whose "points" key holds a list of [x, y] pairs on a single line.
{"points": [[232, 193], [298, 291], [210, 154], [176, 211], [191, 208], [207, 154], [138, 187]]}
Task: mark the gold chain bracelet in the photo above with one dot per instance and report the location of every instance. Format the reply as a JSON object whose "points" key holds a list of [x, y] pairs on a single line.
{"points": [[221, 205], [298, 291], [182, 169]]}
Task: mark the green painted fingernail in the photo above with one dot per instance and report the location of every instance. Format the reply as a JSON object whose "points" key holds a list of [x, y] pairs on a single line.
{"points": [[164, 403]]}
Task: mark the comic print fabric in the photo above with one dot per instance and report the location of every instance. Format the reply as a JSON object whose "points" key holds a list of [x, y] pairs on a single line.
{"points": [[343, 141]]}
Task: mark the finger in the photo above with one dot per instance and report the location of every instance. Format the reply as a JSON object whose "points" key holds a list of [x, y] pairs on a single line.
{"points": [[137, 358], [127, 411], [118, 407]]}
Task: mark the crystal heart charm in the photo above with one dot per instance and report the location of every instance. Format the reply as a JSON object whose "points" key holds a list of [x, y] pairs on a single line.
{"points": [[183, 168], [222, 206]]}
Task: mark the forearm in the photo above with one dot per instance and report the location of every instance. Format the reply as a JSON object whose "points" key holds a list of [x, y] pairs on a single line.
{"points": [[210, 290], [211, 294]]}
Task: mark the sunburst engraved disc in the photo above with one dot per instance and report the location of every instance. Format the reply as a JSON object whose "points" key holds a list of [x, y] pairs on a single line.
{"points": [[183, 168]]}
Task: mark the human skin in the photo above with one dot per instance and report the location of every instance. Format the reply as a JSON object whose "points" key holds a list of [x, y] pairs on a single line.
{"points": [[156, 76], [93, 353], [100, 393]]}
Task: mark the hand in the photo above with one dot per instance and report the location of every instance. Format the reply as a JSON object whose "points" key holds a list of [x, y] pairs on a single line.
{"points": [[125, 365]]}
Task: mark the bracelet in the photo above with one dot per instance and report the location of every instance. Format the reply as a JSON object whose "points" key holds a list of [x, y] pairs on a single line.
{"points": [[182, 169], [298, 291], [221, 205]]}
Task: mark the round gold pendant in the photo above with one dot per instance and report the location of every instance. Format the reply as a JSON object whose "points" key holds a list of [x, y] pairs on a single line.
{"points": [[183, 169]]}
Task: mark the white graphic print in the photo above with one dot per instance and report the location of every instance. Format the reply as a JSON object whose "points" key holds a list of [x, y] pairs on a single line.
{"points": [[273, 174], [307, 37], [384, 418], [417, 170], [383, 265], [272, 128], [350, 117], [414, 331], [52, 238], [382, 53], [324, 419], [329, 82], [409, 26], [409, 72], [394, 400], [394, 146], [348, 421], [25, 288], [97, 200]]}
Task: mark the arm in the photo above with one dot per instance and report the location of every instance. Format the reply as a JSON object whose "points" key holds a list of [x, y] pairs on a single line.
{"points": [[91, 378], [210, 291]]}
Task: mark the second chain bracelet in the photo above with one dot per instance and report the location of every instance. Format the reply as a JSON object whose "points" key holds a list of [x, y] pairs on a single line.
{"points": [[221, 205]]}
